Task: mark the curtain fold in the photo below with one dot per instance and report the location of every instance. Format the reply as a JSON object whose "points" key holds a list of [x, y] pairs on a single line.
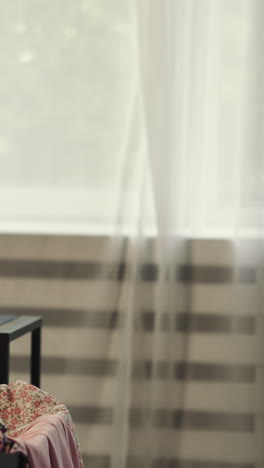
{"points": [[198, 65]]}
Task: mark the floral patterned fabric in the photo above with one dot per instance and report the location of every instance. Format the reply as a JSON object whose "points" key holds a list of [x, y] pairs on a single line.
{"points": [[21, 404]]}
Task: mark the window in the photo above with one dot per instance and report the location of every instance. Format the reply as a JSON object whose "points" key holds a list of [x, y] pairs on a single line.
{"points": [[66, 85]]}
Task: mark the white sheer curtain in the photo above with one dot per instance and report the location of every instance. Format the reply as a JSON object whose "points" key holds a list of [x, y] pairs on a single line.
{"points": [[143, 121], [201, 68], [201, 82]]}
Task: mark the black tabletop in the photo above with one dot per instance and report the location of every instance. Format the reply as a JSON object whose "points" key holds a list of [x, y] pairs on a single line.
{"points": [[19, 325], [6, 318]]}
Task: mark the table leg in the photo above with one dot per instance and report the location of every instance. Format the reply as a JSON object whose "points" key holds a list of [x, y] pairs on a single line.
{"points": [[35, 356], [4, 360]]}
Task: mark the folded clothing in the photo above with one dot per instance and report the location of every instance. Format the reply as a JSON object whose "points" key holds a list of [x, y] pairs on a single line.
{"points": [[49, 443], [40, 425]]}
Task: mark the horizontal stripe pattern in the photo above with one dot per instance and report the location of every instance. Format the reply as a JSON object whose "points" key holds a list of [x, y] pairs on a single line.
{"points": [[215, 274], [149, 272], [164, 463], [66, 270], [165, 419], [195, 420], [103, 319], [97, 461], [161, 370], [53, 317], [64, 280]]}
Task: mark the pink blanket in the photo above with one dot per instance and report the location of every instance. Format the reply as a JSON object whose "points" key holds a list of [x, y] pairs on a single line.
{"points": [[49, 443], [41, 426]]}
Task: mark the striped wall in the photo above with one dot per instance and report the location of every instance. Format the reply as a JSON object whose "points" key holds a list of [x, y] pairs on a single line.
{"points": [[220, 422]]}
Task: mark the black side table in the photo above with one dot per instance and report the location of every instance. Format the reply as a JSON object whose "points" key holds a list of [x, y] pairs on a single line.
{"points": [[13, 329], [11, 460]]}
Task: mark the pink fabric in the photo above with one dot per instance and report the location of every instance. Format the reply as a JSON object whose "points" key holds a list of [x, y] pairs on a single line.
{"points": [[41, 425], [49, 443]]}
